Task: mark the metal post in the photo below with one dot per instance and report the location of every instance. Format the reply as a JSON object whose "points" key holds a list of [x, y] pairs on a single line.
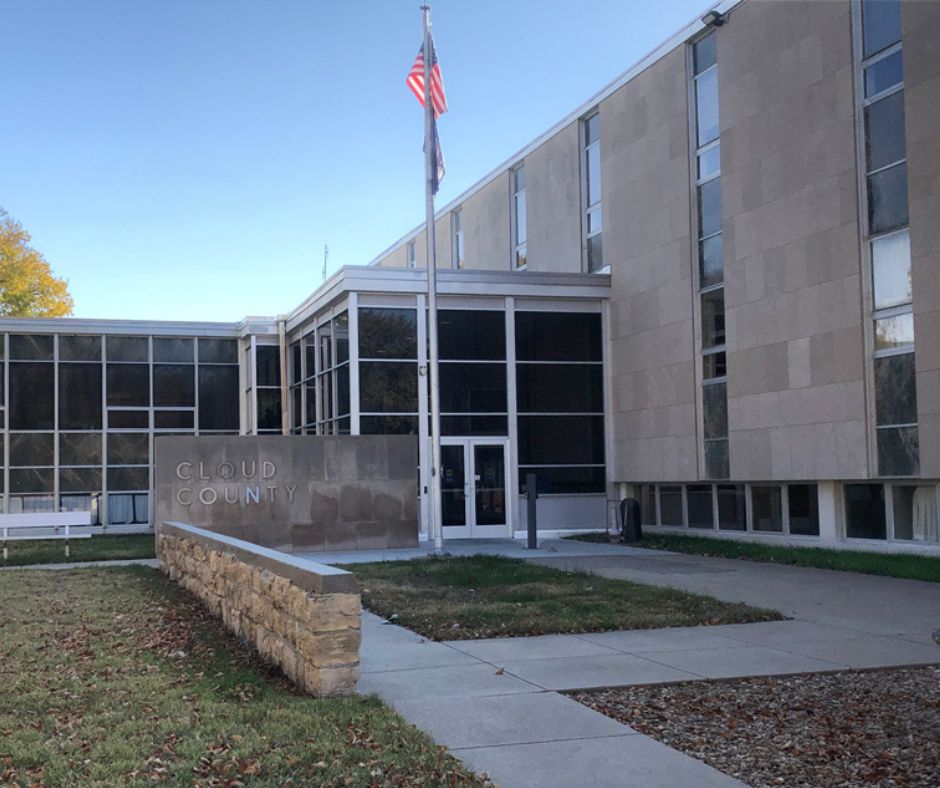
{"points": [[436, 513], [531, 520]]}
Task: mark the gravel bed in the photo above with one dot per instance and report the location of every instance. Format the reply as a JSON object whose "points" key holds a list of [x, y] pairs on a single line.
{"points": [[833, 729]]}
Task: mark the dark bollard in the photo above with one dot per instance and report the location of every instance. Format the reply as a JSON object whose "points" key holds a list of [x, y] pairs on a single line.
{"points": [[531, 519], [630, 520]]}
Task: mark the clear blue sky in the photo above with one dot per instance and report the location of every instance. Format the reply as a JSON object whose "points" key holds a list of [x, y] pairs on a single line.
{"points": [[188, 159]]}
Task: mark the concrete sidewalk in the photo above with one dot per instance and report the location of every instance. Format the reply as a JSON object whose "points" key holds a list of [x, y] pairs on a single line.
{"points": [[511, 727]]}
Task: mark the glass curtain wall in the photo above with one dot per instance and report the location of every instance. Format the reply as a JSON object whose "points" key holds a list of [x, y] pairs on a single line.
{"points": [[84, 409], [885, 165], [710, 257], [388, 371], [319, 368], [560, 401], [268, 388]]}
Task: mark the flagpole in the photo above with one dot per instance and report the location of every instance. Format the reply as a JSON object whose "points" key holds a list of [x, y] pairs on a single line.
{"points": [[435, 529]]}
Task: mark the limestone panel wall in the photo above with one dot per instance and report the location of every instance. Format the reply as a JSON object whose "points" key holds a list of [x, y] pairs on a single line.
{"points": [[647, 226], [920, 22], [789, 187], [304, 618]]}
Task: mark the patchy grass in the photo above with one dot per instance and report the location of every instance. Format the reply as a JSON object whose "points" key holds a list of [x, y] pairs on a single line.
{"points": [[101, 547], [118, 676], [489, 596], [911, 567]]}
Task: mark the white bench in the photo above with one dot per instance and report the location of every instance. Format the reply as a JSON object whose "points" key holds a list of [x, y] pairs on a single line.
{"points": [[44, 525]]}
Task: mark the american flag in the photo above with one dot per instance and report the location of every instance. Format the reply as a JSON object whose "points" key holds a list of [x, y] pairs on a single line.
{"points": [[415, 81]]}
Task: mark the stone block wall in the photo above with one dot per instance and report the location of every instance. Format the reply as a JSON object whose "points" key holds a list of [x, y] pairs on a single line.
{"points": [[301, 616]]}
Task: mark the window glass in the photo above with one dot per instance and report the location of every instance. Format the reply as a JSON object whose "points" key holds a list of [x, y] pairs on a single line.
{"points": [[127, 509], [80, 347], [709, 207], [712, 261], [865, 511], [173, 349], [884, 131], [129, 479], [388, 425], [709, 162], [713, 318], [714, 365], [342, 390], [563, 388], [128, 384], [670, 505], [341, 332], [218, 351], [127, 348], [296, 355], [699, 498], [269, 409], [128, 448], [80, 448], [884, 74], [592, 129], [128, 419], [79, 480], [558, 336], [732, 508], [647, 498], [31, 347], [473, 388], [218, 398], [593, 174], [898, 451], [80, 396], [715, 410], [173, 385], [595, 252], [894, 332], [766, 503], [891, 263], [915, 513], [717, 461], [804, 509], [388, 387], [564, 481], [471, 335], [881, 24], [705, 53], [895, 391], [706, 105], [474, 425], [174, 419], [268, 365], [887, 199], [561, 440], [31, 480], [31, 396], [32, 448], [388, 333]]}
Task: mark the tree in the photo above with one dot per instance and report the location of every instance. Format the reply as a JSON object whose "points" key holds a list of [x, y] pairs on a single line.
{"points": [[28, 287]]}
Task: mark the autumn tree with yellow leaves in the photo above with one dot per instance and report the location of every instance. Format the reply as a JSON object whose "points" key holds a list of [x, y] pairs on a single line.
{"points": [[28, 287]]}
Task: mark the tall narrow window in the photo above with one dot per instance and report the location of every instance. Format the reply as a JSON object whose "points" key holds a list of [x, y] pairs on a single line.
{"points": [[457, 231], [518, 217], [885, 166], [410, 254], [593, 226], [710, 257]]}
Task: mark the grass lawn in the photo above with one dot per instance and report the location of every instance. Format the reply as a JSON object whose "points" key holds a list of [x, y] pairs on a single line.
{"points": [[912, 567], [118, 676], [101, 547], [488, 596]]}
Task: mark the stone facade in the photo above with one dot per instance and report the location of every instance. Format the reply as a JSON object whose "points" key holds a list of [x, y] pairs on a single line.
{"points": [[302, 617], [297, 492]]}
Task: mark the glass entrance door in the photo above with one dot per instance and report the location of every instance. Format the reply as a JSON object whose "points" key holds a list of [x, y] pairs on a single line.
{"points": [[474, 484]]}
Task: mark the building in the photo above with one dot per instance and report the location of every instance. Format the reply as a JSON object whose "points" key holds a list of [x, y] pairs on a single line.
{"points": [[714, 286]]}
